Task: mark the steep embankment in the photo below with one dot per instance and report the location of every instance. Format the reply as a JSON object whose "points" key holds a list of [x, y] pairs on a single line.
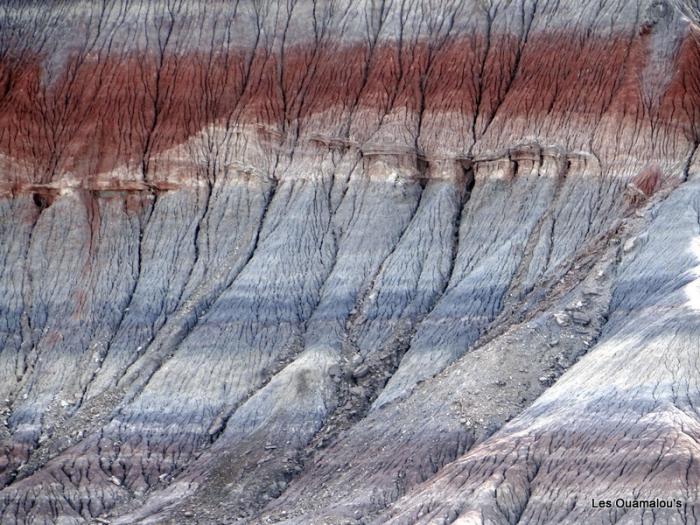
{"points": [[420, 261]]}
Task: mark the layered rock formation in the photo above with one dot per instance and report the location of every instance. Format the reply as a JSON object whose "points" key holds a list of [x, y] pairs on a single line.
{"points": [[329, 261]]}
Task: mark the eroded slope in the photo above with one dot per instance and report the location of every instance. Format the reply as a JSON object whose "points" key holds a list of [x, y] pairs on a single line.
{"points": [[305, 261]]}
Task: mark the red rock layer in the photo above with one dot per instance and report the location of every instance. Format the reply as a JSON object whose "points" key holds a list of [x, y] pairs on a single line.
{"points": [[103, 111]]}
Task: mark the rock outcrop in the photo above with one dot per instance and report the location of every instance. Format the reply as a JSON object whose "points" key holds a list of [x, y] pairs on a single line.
{"points": [[335, 261]]}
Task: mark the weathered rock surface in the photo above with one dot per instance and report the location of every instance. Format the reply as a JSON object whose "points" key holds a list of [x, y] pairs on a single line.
{"points": [[333, 261]]}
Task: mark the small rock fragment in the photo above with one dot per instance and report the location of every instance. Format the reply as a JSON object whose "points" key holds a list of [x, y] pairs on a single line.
{"points": [[546, 380], [360, 372], [580, 318], [562, 319]]}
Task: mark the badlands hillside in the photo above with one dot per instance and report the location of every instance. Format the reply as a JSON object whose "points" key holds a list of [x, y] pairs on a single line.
{"points": [[349, 262]]}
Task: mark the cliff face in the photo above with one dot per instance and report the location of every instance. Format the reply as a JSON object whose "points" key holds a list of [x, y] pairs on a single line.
{"points": [[324, 261]]}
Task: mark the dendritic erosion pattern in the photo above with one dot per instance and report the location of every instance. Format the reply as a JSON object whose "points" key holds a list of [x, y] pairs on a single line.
{"points": [[334, 261]]}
